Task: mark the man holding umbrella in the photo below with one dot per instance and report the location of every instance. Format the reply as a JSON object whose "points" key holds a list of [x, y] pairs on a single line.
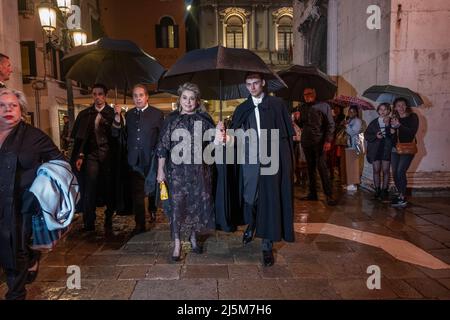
{"points": [[317, 123], [266, 199], [142, 126]]}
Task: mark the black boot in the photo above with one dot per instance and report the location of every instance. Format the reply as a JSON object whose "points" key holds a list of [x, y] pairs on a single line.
{"points": [[377, 194], [384, 195]]}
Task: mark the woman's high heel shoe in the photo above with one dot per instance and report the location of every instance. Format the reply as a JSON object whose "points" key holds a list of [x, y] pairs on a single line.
{"points": [[176, 256]]}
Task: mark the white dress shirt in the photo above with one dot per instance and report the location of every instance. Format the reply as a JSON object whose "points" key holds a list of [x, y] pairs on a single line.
{"points": [[256, 102]]}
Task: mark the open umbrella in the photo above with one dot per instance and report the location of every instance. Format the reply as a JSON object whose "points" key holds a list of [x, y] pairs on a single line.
{"points": [[346, 101], [115, 63], [299, 77], [219, 72], [388, 93]]}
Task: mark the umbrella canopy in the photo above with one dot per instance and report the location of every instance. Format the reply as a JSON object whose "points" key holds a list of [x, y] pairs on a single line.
{"points": [[300, 77], [388, 93], [115, 63], [347, 101], [219, 72]]}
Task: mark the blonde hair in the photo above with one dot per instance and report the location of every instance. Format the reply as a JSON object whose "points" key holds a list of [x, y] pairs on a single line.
{"points": [[193, 88], [20, 97]]}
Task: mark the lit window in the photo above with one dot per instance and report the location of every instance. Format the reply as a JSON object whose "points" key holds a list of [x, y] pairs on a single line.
{"points": [[235, 32]]}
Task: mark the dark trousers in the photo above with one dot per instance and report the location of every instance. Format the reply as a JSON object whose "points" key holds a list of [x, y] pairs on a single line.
{"points": [[97, 180], [315, 158], [138, 199], [250, 211], [400, 164], [25, 258]]}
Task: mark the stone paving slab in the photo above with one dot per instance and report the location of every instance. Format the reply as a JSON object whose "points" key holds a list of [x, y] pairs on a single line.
{"points": [[164, 272], [134, 272], [307, 289], [136, 259], [429, 288], [185, 289], [240, 289], [85, 293], [439, 219], [204, 272], [401, 288], [357, 289], [114, 290], [236, 271]]}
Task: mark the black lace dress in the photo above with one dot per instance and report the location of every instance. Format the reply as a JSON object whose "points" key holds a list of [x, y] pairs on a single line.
{"points": [[190, 206]]}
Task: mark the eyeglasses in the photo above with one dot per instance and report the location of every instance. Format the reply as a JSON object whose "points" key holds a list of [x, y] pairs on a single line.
{"points": [[10, 105]]}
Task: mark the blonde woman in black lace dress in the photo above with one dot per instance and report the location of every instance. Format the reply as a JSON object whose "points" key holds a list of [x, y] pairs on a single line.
{"points": [[190, 206]]}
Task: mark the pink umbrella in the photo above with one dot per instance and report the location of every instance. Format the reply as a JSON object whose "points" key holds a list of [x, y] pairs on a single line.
{"points": [[346, 101]]}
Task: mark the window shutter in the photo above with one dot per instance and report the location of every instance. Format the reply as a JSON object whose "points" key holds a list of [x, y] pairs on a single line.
{"points": [[158, 36], [175, 34]]}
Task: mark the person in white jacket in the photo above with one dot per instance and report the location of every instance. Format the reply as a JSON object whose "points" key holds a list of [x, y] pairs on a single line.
{"points": [[353, 128]]}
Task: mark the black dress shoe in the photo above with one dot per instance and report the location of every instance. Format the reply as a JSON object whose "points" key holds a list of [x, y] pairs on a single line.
{"points": [[138, 229], [331, 202], [248, 235], [268, 259], [32, 275], [88, 229], [197, 250], [310, 197], [176, 258]]}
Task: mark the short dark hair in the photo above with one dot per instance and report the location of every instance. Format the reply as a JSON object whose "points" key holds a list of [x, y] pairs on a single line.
{"points": [[142, 86], [3, 56], [401, 99], [101, 86], [354, 108], [250, 73], [385, 104]]}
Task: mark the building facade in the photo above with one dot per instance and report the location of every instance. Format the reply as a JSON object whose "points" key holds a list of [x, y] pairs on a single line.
{"points": [[36, 59], [264, 27], [408, 48], [157, 26]]}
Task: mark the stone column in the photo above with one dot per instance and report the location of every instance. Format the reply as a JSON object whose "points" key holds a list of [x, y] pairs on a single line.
{"points": [[10, 40], [253, 31], [298, 39], [332, 43], [216, 12]]}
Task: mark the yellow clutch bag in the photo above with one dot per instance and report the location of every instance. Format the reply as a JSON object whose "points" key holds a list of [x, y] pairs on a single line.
{"points": [[164, 195]]}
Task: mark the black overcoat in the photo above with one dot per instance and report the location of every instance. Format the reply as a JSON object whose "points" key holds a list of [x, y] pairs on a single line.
{"points": [[238, 182], [21, 154]]}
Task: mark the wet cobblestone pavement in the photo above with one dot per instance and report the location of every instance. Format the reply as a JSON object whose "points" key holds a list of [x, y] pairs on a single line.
{"points": [[316, 266]]}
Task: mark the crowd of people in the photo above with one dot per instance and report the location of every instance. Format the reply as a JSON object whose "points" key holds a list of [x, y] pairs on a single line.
{"points": [[349, 140], [120, 159]]}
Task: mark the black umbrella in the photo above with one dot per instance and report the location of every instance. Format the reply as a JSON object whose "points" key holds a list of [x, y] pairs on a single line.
{"points": [[299, 77], [219, 72], [115, 63], [388, 93]]}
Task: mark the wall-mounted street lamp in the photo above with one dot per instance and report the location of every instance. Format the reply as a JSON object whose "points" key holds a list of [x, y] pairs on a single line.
{"points": [[79, 37], [47, 15], [65, 6]]}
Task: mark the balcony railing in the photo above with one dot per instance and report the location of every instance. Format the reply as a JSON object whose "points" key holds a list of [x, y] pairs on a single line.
{"points": [[284, 57], [26, 7]]}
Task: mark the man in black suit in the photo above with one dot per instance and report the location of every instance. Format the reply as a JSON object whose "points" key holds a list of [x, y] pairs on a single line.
{"points": [[317, 123], [142, 126], [5, 69], [93, 155], [265, 188]]}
